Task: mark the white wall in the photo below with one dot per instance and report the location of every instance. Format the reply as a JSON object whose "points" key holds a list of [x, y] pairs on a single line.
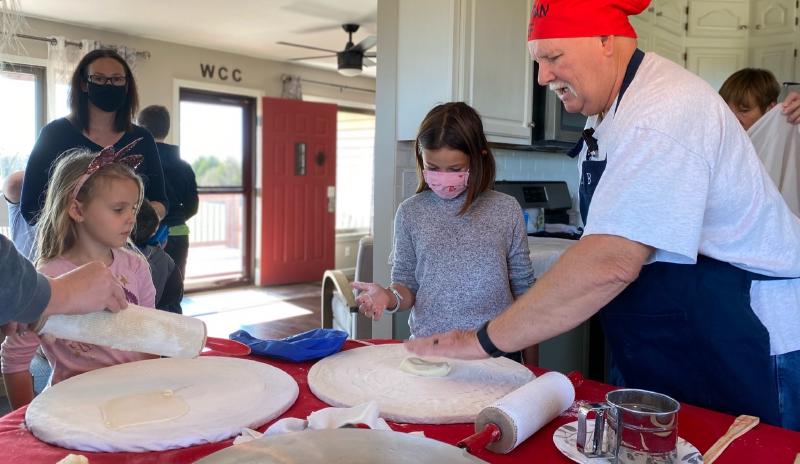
{"points": [[169, 62]]}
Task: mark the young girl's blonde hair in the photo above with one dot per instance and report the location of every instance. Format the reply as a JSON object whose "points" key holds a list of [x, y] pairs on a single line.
{"points": [[56, 231]]}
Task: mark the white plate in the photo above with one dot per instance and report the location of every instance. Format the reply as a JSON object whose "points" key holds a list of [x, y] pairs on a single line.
{"points": [[565, 439], [223, 394]]}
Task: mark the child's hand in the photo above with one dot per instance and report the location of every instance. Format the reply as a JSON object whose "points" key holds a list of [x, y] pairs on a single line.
{"points": [[372, 300], [791, 107]]}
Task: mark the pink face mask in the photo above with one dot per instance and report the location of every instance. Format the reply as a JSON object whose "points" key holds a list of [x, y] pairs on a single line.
{"points": [[447, 185]]}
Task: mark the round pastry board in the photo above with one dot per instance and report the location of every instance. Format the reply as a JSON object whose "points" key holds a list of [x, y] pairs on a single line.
{"points": [[372, 373], [342, 446], [223, 396]]}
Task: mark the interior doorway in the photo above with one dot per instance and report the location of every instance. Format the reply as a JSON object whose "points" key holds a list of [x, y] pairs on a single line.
{"points": [[217, 138]]}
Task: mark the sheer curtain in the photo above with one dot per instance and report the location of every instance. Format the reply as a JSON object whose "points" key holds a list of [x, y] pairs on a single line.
{"points": [[62, 58]]}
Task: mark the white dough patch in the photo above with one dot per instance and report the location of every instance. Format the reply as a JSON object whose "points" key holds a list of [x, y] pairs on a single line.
{"points": [[143, 408], [423, 368]]}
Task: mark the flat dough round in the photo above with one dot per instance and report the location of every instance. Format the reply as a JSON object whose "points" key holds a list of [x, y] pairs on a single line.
{"points": [[342, 446], [425, 368], [370, 373], [160, 404]]}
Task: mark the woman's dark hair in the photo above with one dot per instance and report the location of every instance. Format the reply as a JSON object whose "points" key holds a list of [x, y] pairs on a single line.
{"points": [[79, 100], [155, 118], [457, 126]]}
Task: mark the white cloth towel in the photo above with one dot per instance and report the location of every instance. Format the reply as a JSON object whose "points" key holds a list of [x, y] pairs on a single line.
{"points": [[328, 418], [777, 143]]}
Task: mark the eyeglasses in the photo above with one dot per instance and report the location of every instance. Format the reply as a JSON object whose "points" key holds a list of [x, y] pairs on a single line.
{"points": [[117, 81]]}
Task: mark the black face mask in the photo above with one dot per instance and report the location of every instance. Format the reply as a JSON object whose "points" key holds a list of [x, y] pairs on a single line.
{"points": [[107, 97]]}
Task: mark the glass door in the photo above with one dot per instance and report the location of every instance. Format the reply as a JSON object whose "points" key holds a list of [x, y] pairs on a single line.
{"points": [[217, 140]]}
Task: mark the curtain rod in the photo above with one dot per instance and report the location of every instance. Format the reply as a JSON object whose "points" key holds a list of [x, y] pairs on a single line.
{"points": [[52, 41], [338, 86]]}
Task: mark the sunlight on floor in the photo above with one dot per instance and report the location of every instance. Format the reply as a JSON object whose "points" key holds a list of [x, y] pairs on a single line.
{"points": [[224, 323], [230, 300]]}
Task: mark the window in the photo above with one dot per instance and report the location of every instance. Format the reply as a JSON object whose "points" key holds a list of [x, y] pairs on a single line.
{"points": [[355, 140], [22, 114]]}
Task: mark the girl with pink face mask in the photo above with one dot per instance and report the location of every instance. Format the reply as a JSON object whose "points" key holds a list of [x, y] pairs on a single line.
{"points": [[460, 253]]}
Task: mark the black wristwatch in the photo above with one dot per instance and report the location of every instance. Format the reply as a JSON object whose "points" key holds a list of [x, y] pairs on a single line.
{"points": [[486, 342]]}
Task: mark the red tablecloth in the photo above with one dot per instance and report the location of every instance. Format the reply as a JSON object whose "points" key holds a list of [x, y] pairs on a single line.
{"points": [[701, 427]]}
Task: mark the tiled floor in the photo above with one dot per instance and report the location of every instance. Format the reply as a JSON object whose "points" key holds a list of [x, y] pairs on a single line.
{"points": [[265, 312]]}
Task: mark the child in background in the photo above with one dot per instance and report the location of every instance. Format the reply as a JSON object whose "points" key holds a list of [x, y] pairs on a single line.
{"points": [[166, 276], [460, 253], [89, 212], [180, 184]]}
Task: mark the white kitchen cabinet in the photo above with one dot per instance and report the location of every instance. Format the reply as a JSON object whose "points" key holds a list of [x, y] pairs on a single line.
{"points": [[718, 19], [772, 17], [777, 57], [669, 16], [715, 64], [426, 60], [497, 68], [465, 50], [661, 29]]}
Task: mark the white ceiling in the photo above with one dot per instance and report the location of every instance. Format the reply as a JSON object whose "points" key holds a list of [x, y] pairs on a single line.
{"points": [[247, 27]]}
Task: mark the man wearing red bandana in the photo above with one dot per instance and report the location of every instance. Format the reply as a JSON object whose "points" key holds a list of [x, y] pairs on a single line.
{"points": [[689, 255]]}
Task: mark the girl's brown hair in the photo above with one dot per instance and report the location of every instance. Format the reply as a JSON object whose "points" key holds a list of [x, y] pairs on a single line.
{"points": [[457, 126], [56, 231], [751, 85], [79, 100]]}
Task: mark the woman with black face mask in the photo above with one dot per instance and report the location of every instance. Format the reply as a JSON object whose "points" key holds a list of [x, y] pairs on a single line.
{"points": [[103, 102]]}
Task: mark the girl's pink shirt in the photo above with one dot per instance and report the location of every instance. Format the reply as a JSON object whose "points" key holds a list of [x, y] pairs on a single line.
{"points": [[68, 358]]}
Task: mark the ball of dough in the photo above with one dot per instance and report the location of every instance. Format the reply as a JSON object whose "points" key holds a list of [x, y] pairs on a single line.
{"points": [[423, 368]]}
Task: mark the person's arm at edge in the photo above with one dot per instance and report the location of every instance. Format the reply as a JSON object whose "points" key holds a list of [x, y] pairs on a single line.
{"points": [[192, 200], [586, 278]]}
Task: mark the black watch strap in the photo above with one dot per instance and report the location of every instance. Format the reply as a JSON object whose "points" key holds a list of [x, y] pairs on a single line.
{"points": [[486, 342]]}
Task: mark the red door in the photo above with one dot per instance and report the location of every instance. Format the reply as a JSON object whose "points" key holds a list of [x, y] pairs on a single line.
{"points": [[299, 177]]}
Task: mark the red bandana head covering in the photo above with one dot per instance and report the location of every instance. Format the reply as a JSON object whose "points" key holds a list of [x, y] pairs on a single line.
{"points": [[557, 19]]}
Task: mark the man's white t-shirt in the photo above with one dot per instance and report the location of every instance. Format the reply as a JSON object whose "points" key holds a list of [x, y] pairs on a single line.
{"points": [[683, 178]]}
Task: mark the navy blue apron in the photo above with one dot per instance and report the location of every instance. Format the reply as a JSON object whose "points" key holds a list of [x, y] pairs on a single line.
{"points": [[688, 330]]}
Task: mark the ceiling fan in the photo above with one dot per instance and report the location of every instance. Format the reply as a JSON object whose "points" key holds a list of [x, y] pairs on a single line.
{"points": [[351, 60]]}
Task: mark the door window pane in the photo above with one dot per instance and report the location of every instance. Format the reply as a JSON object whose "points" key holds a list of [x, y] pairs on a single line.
{"points": [[355, 140], [211, 141]]}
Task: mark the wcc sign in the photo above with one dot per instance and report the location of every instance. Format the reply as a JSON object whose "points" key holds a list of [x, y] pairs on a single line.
{"points": [[222, 73]]}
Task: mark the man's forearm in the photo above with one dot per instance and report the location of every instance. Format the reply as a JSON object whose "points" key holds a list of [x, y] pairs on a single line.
{"points": [[586, 278]]}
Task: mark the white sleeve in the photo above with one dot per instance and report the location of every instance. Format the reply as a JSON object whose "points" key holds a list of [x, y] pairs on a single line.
{"points": [[653, 191]]}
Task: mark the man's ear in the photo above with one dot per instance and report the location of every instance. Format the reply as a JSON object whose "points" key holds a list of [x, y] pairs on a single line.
{"points": [[608, 43], [75, 211]]}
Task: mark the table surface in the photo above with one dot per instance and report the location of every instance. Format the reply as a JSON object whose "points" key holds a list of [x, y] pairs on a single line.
{"points": [[701, 427]]}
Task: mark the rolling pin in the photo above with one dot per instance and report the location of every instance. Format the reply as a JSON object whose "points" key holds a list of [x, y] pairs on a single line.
{"points": [[503, 425], [133, 329]]}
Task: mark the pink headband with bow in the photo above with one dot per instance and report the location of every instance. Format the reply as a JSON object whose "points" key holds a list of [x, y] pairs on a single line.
{"points": [[106, 157]]}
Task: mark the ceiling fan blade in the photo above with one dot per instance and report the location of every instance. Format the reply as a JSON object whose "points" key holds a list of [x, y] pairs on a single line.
{"points": [[369, 62], [370, 55], [312, 57], [306, 46], [367, 43]]}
